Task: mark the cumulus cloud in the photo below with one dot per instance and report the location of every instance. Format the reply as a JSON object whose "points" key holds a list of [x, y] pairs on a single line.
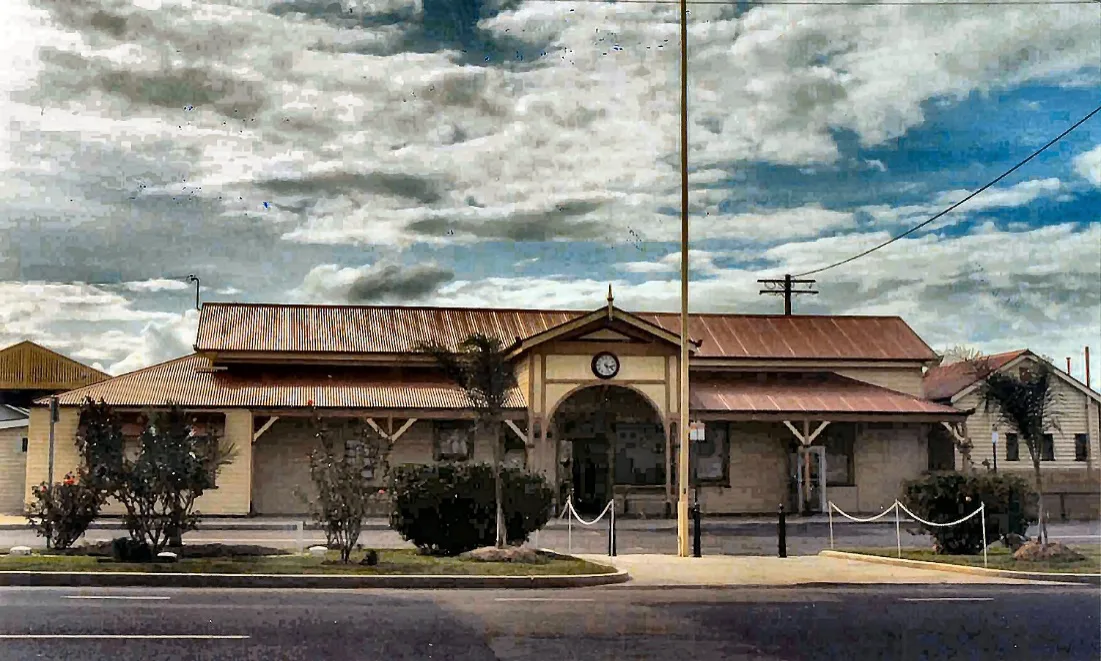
{"points": [[1088, 165]]}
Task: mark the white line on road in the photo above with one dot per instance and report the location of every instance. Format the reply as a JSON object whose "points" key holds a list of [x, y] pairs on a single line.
{"points": [[91, 636], [949, 599], [103, 596], [537, 599]]}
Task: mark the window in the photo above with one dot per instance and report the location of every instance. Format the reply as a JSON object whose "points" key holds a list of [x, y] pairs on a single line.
{"points": [[453, 441], [711, 456], [1047, 448], [1012, 448], [24, 444], [839, 441], [1081, 447]]}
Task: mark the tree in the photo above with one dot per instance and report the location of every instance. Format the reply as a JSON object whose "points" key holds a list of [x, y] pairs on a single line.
{"points": [[480, 368], [1026, 405], [61, 512], [346, 479], [159, 482], [960, 353]]}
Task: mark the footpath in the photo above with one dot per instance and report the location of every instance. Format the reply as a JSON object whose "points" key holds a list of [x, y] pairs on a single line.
{"points": [[655, 571]]}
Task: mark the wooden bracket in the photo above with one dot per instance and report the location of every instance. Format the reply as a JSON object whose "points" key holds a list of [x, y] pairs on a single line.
{"points": [[267, 425]]}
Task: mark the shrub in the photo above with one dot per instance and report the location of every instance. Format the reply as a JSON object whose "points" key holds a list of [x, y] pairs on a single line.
{"points": [[61, 512], [948, 496], [448, 509], [125, 549]]}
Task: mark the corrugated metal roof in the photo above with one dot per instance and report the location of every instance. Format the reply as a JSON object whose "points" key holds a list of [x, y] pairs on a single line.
{"points": [[229, 327], [189, 382], [945, 381], [30, 366], [805, 393]]}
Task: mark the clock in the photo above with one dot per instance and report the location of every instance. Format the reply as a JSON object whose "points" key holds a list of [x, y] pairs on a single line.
{"points": [[605, 365]]}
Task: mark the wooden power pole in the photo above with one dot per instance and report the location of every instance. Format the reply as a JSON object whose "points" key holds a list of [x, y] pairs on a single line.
{"points": [[785, 288]]}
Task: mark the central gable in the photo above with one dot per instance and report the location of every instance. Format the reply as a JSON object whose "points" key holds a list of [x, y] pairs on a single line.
{"points": [[606, 325]]}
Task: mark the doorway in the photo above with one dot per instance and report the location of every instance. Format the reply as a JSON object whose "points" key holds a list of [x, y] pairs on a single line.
{"points": [[808, 495], [592, 488]]}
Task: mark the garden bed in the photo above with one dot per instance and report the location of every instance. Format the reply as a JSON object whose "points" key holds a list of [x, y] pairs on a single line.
{"points": [[390, 562], [997, 558]]}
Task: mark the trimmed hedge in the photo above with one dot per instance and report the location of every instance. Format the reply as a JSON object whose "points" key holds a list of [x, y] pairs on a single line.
{"points": [[948, 496], [448, 509]]}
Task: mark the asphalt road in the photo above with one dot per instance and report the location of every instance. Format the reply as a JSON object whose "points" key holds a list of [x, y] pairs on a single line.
{"points": [[883, 622]]}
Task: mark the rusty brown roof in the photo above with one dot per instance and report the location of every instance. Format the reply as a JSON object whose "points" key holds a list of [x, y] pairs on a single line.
{"points": [[244, 327], [31, 366], [822, 393], [944, 382], [190, 382]]}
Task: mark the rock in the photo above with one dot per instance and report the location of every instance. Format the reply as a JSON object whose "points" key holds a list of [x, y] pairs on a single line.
{"points": [[1013, 541], [19, 550], [507, 554], [167, 556], [1054, 551], [318, 551]]}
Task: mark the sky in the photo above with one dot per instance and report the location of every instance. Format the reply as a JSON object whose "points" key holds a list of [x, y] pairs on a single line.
{"points": [[526, 153]]}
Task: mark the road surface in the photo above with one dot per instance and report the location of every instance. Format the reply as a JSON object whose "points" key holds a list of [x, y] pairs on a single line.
{"points": [[611, 623]]}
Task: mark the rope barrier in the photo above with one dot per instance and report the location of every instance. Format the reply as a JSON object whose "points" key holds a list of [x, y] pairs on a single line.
{"points": [[896, 506], [569, 509]]}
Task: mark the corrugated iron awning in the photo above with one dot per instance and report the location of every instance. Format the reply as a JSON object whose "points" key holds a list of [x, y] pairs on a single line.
{"points": [[808, 394], [190, 382]]}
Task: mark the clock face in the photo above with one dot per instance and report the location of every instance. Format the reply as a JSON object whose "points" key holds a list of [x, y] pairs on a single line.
{"points": [[605, 365]]}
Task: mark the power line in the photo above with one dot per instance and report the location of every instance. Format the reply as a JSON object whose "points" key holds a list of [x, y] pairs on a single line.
{"points": [[957, 204]]}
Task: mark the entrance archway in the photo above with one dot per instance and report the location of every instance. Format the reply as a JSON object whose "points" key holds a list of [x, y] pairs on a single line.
{"points": [[608, 435]]}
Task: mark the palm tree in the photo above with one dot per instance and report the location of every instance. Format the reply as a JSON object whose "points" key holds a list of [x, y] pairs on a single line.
{"points": [[480, 368], [1027, 405]]}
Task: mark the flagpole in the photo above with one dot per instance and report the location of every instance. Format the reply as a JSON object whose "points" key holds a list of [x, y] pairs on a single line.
{"points": [[682, 428]]}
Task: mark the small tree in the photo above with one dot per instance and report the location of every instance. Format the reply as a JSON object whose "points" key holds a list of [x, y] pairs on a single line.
{"points": [[346, 477], [159, 483], [1028, 406], [62, 512], [480, 368]]}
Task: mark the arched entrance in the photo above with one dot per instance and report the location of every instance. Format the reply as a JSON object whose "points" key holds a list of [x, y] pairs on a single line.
{"points": [[608, 435]]}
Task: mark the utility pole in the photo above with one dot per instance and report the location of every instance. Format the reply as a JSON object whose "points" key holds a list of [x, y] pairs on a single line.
{"points": [[786, 289], [682, 428]]}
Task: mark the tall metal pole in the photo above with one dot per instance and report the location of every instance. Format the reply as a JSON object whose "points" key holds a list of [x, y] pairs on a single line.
{"points": [[682, 428]]}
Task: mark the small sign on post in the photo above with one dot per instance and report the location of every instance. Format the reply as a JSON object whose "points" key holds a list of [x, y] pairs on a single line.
{"points": [[696, 431]]}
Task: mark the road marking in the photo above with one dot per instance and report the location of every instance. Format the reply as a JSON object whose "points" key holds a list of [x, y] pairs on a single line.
{"points": [[949, 599], [104, 636], [538, 599], [104, 596]]}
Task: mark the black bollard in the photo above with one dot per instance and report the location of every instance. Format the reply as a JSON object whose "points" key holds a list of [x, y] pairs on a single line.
{"points": [[611, 533], [696, 531], [782, 532]]}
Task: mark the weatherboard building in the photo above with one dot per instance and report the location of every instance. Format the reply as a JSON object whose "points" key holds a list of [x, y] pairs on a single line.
{"points": [[795, 408]]}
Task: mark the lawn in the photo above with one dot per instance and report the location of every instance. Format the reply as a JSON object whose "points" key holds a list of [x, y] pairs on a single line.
{"points": [[1000, 558], [390, 562]]}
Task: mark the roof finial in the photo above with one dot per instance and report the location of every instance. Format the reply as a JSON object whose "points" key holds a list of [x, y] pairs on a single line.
{"points": [[610, 299]]}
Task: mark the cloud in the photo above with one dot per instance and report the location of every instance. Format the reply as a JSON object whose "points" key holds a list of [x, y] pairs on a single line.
{"points": [[1007, 197], [375, 283], [1088, 165], [156, 285]]}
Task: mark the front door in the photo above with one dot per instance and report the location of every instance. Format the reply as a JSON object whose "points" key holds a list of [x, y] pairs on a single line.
{"points": [[591, 488], [808, 479]]}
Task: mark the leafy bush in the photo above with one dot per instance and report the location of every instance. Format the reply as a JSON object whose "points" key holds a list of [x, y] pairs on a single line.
{"points": [[125, 549], [948, 496], [160, 485], [61, 512], [448, 509]]}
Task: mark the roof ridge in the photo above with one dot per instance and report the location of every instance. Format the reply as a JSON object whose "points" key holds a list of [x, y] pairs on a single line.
{"points": [[347, 306]]}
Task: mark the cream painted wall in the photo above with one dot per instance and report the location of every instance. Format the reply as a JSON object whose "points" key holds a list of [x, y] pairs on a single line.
{"points": [[13, 470], [902, 379], [758, 472], [66, 457], [631, 368]]}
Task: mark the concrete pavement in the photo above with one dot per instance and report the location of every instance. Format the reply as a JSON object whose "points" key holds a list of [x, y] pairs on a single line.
{"points": [[731, 571], [897, 622]]}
